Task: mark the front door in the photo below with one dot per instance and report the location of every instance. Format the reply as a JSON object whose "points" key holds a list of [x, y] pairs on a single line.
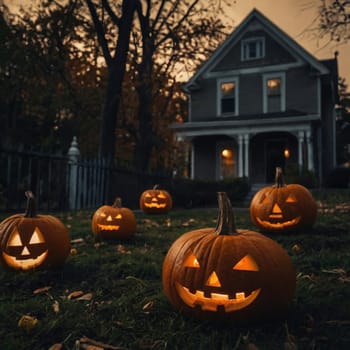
{"points": [[274, 158]]}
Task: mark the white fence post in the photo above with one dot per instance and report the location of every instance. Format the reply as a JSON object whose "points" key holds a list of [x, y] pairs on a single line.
{"points": [[73, 155]]}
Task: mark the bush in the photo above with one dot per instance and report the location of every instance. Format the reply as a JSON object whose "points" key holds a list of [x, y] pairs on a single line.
{"points": [[306, 178], [338, 178], [199, 193]]}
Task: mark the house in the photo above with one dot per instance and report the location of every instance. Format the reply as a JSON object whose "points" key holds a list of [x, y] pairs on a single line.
{"points": [[261, 101]]}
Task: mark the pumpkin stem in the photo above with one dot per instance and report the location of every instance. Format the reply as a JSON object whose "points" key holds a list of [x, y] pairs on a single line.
{"points": [[31, 205], [226, 223], [117, 203], [155, 187], [279, 180]]}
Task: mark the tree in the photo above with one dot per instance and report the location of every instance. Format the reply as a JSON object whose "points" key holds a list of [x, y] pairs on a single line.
{"points": [[168, 33], [46, 81], [115, 61], [335, 20], [171, 34]]}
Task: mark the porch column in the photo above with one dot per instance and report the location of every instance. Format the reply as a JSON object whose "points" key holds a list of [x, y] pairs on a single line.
{"points": [[310, 153], [240, 155], [246, 155], [300, 149]]}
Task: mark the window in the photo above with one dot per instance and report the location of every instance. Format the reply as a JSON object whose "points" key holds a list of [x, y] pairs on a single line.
{"points": [[252, 49], [274, 93], [228, 97]]}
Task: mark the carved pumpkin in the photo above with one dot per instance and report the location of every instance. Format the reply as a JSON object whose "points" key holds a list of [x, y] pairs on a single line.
{"points": [[28, 240], [155, 201], [113, 221], [283, 208], [227, 274]]}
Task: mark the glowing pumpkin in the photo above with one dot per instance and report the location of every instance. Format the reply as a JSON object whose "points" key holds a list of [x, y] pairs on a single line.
{"points": [[155, 201], [114, 221], [28, 240], [223, 273], [283, 208]]}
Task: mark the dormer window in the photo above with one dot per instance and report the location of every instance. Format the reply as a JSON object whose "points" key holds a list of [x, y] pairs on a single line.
{"points": [[252, 49]]}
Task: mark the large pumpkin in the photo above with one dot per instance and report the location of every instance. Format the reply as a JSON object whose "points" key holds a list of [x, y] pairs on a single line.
{"points": [[227, 274], [113, 221], [283, 208], [28, 240], [155, 201]]}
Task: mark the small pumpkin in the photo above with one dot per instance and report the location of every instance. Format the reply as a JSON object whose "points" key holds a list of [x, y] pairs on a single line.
{"points": [[29, 241], [155, 201], [114, 221], [225, 273], [283, 208]]}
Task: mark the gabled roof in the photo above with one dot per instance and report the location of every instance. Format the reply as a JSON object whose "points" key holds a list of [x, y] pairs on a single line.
{"points": [[278, 34]]}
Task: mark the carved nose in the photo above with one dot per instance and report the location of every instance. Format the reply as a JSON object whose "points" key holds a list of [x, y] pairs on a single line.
{"points": [[109, 218], [276, 211], [213, 280]]}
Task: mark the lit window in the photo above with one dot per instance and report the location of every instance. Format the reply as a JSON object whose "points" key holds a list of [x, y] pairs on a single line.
{"points": [[273, 87], [274, 92], [228, 97], [252, 48]]}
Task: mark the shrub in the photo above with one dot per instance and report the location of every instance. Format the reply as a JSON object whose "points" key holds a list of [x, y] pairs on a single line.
{"points": [[338, 178], [198, 193]]}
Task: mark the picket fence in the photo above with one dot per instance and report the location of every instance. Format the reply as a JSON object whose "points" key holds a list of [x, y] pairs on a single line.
{"points": [[68, 182]]}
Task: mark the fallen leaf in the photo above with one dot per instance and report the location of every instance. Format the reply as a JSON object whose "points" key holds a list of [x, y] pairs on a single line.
{"points": [[335, 271], [121, 249], [27, 322], [85, 341], [73, 251], [41, 290], [148, 306], [57, 346], [75, 294], [56, 307], [77, 241], [87, 296]]}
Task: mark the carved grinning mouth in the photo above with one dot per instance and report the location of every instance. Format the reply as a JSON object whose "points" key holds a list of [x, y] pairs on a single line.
{"points": [[155, 205], [25, 263], [216, 300], [280, 225], [108, 227]]}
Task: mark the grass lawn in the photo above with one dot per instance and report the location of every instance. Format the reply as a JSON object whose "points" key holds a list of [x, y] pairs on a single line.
{"points": [[109, 294]]}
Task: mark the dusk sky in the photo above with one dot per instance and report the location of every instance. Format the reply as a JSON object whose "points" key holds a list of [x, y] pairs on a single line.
{"points": [[294, 17]]}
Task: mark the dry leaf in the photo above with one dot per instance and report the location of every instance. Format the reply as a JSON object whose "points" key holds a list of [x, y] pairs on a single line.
{"points": [[75, 294], [27, 322], [148, 306], [57, 346], [41, 290], [87, 296], [85, 342], [77, 241], [73, 251], [121, 249], [56, 307], [296, 248]]}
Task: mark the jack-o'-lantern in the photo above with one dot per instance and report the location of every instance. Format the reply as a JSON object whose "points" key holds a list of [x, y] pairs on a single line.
{"points": [[283, 208], [227, 274], [29, 241], [113, 221], [156, 201]]}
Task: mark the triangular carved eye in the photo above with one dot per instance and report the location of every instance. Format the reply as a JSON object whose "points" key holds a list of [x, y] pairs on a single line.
{"points": [[103, 215], [191, 261], [291, 199], [15, 239], [247, 263], [37, 237], [119, 216], [161, 195]]}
